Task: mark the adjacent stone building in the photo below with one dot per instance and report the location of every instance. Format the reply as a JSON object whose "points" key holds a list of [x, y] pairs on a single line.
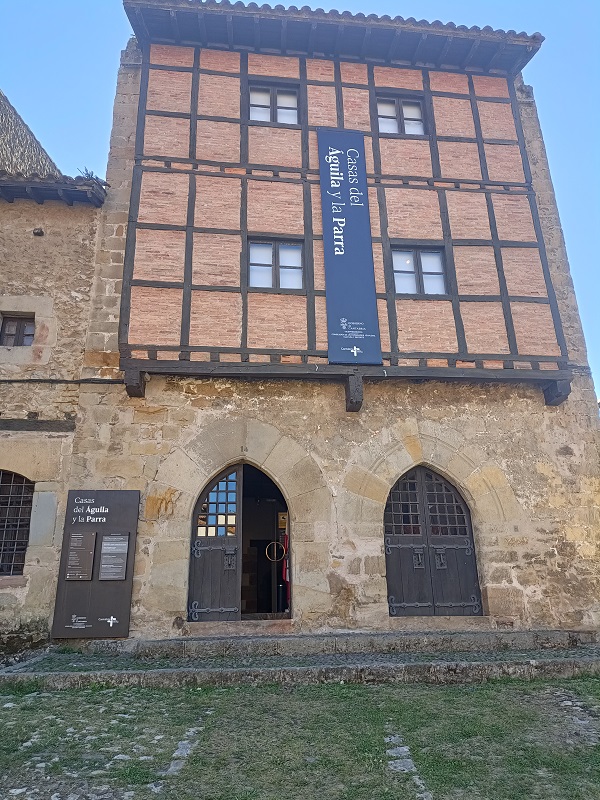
{"points": [[182, 345]]}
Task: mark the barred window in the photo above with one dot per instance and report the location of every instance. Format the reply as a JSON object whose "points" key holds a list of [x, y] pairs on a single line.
{"points": [[16, 499]]}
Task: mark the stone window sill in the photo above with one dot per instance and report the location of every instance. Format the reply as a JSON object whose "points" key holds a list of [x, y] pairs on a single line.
{"points": [[13, 582]]}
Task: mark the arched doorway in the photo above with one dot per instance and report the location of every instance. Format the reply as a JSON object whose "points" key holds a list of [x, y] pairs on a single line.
{"points": [[16, 500], [239, 562], [429, 550]]}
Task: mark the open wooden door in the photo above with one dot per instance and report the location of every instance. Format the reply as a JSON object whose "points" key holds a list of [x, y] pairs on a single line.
{"points": [[216, 554]]}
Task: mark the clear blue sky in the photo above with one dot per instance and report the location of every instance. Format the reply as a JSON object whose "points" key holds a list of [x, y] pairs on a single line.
{"points": [[59, 61]]}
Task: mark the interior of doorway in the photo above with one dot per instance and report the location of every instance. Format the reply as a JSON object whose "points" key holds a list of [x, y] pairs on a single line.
{"points": [[265, 566]]}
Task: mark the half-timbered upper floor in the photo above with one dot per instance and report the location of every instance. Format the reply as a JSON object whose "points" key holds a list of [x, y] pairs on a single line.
{"points": [[224, 268]]}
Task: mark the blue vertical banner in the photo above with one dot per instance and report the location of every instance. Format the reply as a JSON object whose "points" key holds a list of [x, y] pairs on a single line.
{"points": [[352, 322]]}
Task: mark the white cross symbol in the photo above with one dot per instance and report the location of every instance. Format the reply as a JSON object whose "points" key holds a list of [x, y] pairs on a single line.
{"points": [[111, 620], [355, 351]]}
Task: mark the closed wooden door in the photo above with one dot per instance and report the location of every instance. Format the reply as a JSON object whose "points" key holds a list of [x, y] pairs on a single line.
{"points": [[216, 551], [430, 555]]}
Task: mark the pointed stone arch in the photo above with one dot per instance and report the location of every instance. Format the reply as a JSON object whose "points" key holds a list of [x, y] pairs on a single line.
{"points": [[184, 472]]}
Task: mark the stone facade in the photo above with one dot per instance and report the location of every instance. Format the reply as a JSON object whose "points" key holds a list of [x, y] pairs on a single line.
{"points": [[528, 471]]}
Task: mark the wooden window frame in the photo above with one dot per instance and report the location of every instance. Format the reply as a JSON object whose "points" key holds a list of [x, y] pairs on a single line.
{"points": [[20, 335], [276, 265], [398, 100], [273, 89], [418, 270]]}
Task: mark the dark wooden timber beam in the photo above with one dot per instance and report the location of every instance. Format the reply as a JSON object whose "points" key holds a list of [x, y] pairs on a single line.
{"points": [[556, 392], [257, 33], [365, 42], [472, 50], [139, 16], [35, 195], [393, 44], [338, 40], [65, 197], [444, 51], [202, 28], [311, 39], [419, 47], [135, 383], [175, 26], [230, 30], [284, 36], [354, 392], [496, 56]]}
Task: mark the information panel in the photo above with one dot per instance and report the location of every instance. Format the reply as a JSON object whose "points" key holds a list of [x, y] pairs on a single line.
{"points": [[93, 598], [352, 322]]}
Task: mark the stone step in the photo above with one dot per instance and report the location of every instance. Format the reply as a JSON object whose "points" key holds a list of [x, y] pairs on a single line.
{"points": [[398, 668], [342, 642]]}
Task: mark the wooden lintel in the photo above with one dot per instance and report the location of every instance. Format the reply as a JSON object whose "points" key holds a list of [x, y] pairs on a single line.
{"points": [[556, 392], [135, 383], [354, 392]]}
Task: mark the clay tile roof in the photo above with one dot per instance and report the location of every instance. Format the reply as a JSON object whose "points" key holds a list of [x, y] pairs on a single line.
{"points": [[28, 173], [319, 33], [20, 151]]}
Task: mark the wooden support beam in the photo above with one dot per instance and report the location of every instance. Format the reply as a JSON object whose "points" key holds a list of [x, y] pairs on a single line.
{"points": [[311, 39], [175, 26], [141, 22], [365, 42], [135, 383], [419, 47], [556, 392], [65, 197], [230, 30], [496, 55], [472, 50], [202, 28], [257, 33], [284, 36], [35, 195], [354, 392], [393, 44], [444, 51], [338, 40]]}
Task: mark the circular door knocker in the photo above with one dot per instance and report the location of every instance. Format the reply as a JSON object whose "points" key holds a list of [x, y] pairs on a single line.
{"points": [[275, 545]]}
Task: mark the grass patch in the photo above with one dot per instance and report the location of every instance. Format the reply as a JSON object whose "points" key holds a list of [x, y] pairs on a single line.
{"points": [[497, 741]]}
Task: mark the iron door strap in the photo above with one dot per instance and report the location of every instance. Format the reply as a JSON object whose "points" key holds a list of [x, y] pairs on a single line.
{"points": [[199, 547], [195, 611], [475, 604]]}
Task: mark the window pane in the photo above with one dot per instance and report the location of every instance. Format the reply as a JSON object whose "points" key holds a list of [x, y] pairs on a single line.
{"points": [[260, 114], [434, 284], [403, 260], [10, 327], [261, 276], [289, 116], [287, 99], [406, 283], [261, 253], [386, 108], [387, 125], [290, 255], [290, 278], [27, 339], [432, 262], [411, 110], [414, 128], [260, 97]]}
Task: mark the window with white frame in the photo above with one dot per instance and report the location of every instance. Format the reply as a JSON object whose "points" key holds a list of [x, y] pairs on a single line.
{"points": [[275, 265], [399, 115], [419, 271], [273, 104]]}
